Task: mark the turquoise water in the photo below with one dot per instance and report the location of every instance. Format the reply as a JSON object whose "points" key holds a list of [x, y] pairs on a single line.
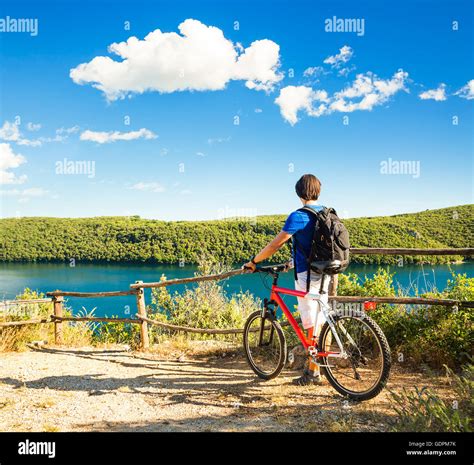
{"points": [[14, 277]]}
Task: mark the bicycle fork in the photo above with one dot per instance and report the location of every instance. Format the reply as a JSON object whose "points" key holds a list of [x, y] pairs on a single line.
{"points": [[266, 310]]}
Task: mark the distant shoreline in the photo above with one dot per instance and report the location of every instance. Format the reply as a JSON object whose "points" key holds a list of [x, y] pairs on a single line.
{"points": [[195, 264], [135, 240]]}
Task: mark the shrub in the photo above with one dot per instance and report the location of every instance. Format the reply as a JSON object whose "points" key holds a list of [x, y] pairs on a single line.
{"points": [[205, 305], [117, 333], [434, 335], [18, 337], [15, 338], [423, 410]]}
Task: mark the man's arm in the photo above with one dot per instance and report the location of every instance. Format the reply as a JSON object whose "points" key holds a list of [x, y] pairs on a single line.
{"points": [[271, 248]]}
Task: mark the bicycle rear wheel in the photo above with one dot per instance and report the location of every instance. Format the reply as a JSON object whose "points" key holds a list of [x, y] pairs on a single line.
{"points": [[264, 345], [365, 372]]}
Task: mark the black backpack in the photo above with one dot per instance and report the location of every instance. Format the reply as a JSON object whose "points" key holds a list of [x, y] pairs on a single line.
{"points": [[330, 242]]}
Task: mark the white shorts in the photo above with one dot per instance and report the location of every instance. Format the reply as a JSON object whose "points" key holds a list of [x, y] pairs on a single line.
{"points": [[311, 315]]}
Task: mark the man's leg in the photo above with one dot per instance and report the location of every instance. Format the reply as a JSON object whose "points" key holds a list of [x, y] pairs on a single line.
{"points": [[308, 310], [312, 365], [311, 374]]}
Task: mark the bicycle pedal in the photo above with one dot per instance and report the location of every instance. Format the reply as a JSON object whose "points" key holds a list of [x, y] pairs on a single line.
{"points": [[312, 351]]}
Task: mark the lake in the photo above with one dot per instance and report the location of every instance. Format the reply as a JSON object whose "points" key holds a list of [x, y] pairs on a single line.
{"points": [[14, 277]]}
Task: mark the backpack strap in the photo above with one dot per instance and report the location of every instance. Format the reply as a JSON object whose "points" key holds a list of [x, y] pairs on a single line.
{"points": [[292, 245], [311, 210], [295, 247]]}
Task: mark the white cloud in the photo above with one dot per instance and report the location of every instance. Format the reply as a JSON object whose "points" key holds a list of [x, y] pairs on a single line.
{"points": [[467, 91], [11, 132], [10, 160], [438, 94], [364, 93], [371, 90], [199, 58], [313, 71], [148, 186], [71, 130], [112, 136], [292, 99], [61, 134], [258, 110], [345, 71], [29, 142], [33, 127], [344, 55], [200, 154]]}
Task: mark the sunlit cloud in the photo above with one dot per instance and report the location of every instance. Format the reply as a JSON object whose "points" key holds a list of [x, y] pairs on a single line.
{"points": [[199, 58], [148, 186], [438, 94], [103, 137], [10, 160]]}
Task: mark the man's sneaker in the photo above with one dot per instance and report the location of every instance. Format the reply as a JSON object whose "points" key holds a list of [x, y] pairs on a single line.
{"points": [[308, 379]]}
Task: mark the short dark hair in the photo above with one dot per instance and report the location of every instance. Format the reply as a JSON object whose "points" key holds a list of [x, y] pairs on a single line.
{"points": [[308, 187]]}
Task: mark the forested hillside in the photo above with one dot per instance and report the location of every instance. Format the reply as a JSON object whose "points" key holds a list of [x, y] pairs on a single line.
{"points": [[232, 241]]}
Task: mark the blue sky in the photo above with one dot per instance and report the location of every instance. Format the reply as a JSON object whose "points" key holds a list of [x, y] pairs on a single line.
{"points": [[183, 157]]}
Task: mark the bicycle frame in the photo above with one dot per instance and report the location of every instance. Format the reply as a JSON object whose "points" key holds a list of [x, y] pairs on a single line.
{"points": [[308, 344]]}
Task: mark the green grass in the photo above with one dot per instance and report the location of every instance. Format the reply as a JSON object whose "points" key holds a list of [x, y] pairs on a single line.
{"points": [[423, 410]]}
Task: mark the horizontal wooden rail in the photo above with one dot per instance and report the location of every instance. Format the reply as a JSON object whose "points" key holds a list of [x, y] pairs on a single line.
{"points": [[5, 303], [55, 319], [404, 301], [93, 318], [194, 279], [404, 251], [34, 321], [91, 294], [188, 329]]}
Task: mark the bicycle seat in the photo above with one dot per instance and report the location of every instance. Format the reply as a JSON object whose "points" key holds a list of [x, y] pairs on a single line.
{"points": [[326, 266]]}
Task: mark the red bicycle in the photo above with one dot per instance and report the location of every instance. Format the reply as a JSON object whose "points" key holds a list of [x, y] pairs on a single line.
{"points": [[353, 352]]}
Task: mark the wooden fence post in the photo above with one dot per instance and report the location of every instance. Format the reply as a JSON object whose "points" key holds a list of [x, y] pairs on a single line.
{"points": [[333, 285], [141, 307], [58, 324]]}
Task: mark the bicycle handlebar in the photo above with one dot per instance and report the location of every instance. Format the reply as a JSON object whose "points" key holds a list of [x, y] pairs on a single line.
{"points": [[272, 269]]}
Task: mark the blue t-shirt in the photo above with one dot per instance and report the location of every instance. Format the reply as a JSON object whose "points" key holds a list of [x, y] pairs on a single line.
{"points": [[300, 225]]}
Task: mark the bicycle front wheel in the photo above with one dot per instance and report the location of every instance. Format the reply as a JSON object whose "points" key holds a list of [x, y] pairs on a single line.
{"points": [[364, 373], [264, 345]]}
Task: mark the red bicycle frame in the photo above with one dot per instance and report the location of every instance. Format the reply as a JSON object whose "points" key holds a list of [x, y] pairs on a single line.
{"points": [[276, 297]]}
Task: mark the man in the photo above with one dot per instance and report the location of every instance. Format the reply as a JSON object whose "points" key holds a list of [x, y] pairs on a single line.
{"points": [[300, 226]]}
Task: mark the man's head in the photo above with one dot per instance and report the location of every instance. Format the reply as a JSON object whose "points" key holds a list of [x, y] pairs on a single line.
{"points": [[308, 187]]}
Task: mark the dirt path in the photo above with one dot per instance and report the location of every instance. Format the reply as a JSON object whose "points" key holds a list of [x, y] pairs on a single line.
{"points": [[117, 390]]}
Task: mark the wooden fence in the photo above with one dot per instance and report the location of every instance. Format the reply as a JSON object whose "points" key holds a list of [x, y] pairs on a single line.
{"points": [[56, 298]]}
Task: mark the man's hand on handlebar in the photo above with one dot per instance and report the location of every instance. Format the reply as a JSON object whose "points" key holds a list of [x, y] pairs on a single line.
{"points": [[288, 266], [249, 267]]}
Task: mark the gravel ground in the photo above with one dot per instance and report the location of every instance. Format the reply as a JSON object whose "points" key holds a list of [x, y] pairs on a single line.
{"points": [[90, 389]]}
